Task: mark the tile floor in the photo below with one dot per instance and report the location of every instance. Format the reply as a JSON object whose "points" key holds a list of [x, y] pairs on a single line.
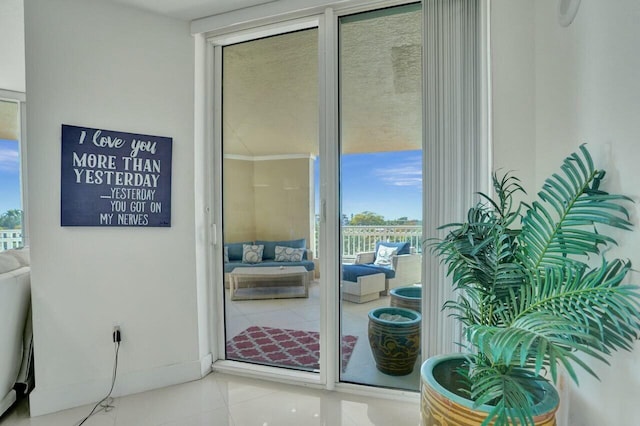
{"points": [[304, 314], [220, 399], [223, 400]]}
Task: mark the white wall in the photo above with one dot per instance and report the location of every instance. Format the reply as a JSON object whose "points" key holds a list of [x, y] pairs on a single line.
{"points": [[513, 95], [586, 91], [12, 45], [97, 64]]}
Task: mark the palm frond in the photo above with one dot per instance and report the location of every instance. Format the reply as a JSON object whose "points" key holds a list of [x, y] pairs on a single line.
{"points": [[595, 300], [511, 391], [562, 312], [480, 253], [563, 223]]}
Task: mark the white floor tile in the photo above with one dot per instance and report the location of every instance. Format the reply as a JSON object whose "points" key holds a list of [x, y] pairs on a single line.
{"points": [[279, 408], [135, 409], [225, 400], [74, 416], [310, 312], [176, 402], [287, 319], [237, 390], [219, 417], [368, 412]]}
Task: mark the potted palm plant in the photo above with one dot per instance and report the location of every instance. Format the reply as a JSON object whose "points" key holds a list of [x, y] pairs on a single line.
{"points": [[535, 292]]}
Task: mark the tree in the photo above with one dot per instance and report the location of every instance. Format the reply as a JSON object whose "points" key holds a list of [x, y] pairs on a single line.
{"points": [[399, 221], [367, 218], [11, 219]]}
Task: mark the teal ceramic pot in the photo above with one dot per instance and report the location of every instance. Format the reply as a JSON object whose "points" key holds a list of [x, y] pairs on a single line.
{"points": [[407, 297], [441, 405], [395, 344]]}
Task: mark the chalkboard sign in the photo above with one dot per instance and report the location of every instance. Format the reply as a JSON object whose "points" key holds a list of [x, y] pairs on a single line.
{"points": [[114, 178]]}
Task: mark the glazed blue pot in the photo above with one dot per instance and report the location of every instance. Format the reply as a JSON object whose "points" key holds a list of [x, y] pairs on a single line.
{"points": [[395, 344], [407, 297]]}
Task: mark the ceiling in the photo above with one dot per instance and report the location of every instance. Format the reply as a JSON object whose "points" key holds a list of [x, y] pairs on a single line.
{"points": [[191, 9], [270, 89], [9, 120]]}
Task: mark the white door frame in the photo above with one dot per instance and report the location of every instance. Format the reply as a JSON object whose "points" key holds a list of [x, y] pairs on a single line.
{"points": [[242, 25]]}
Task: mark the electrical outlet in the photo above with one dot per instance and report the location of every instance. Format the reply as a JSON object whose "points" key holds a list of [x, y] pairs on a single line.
{"points": [[117, 336]]}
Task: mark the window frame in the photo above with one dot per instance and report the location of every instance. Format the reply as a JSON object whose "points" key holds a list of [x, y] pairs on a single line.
{"points": [[20, 99]]}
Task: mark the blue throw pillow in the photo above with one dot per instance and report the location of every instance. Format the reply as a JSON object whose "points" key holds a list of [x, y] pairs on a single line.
{"points": [[403, 248], [235, 250], [270, 247]]}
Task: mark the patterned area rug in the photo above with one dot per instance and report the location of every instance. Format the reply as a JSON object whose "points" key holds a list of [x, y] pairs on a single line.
{"points": [[282, 347]]}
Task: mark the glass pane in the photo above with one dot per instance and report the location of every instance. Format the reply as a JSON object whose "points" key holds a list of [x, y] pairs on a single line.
{"points": [[381, 195], [10, 189], [270, 147]]}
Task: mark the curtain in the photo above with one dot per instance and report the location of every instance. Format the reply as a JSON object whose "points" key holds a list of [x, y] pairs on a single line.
{"points": [[456, 160]]}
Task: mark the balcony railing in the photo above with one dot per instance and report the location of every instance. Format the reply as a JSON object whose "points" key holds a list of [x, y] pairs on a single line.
{"points": [[356, 239]]}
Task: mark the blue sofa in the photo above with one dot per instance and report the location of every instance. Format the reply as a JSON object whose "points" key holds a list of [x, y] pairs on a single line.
{"points": [[405, 268], [268, 256]]}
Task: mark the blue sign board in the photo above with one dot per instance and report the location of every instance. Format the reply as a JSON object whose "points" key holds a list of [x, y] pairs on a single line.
{"points": [[114, 178]]}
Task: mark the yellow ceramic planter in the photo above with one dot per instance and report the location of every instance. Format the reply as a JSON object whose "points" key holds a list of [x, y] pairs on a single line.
{"points": [[441, 407]]}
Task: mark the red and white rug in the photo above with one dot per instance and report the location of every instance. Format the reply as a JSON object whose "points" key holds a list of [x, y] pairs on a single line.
{"points": [[282, 347]]}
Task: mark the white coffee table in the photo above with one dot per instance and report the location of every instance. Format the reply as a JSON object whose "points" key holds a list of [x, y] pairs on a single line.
{"points": [[269, 282]]}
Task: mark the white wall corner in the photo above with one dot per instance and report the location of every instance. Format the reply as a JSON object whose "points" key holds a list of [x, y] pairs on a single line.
{"points": [[206, 365]]}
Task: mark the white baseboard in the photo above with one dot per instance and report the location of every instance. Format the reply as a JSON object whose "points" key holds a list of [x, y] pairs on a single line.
{"points": [[206, 364], [45, 400]]}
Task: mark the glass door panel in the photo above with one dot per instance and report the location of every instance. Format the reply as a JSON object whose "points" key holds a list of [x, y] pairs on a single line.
{"points": [[270, 149], [380, 192]]}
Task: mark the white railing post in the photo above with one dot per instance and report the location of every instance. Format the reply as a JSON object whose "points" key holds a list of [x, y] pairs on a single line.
{"points": [[357, 239]]}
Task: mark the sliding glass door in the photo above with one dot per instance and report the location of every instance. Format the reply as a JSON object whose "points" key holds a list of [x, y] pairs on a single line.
{"points": [[270, 150], [284, 175], [380, 193]]}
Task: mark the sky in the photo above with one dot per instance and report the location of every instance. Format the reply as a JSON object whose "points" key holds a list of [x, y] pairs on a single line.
{"points": [[9, 175], [386, 183]]}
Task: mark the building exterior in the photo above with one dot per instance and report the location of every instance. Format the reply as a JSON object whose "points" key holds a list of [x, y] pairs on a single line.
{"points": [[10, 239]]}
